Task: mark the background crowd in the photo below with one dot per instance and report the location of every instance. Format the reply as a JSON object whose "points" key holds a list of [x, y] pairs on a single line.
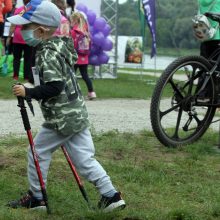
{"points": [[73, 24]]}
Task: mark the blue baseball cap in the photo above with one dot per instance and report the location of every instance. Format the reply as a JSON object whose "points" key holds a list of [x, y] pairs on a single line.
{"points": [[40, 12]]}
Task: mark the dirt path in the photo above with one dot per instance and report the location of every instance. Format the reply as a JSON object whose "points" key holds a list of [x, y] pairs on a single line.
{"points": [[105, 115], [125, 115]]}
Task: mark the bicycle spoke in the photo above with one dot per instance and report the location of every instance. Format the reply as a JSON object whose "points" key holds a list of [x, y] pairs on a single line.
{"points": [[175, 88], [197, 120], [191, 82], [178, 123], [169, 110], [192, 79]]}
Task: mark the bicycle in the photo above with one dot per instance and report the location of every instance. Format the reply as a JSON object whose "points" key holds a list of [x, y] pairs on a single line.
{"points": [[180, 113]]}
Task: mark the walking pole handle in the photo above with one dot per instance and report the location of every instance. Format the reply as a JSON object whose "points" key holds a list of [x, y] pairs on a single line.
{"points": [[24, 114]]}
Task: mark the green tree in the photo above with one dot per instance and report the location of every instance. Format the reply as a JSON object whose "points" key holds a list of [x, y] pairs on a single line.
{"points": [[173, 22], [133, 30]]}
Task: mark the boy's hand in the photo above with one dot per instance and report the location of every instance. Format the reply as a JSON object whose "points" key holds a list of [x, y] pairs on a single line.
{"points": [[19, 90]]}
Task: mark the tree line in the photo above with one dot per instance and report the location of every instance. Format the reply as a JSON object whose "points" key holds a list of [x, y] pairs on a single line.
{"points": [[173, 22]]}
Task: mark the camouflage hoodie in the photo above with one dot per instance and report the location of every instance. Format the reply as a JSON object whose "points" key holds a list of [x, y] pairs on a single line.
{"points": [[66, 112]]}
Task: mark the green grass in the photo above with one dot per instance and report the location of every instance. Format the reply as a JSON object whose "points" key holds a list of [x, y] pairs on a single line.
{"points": [[125, 86], [157, 183], [176, 52]]}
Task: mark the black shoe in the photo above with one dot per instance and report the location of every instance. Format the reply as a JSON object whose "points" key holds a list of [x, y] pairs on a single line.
{"points": [[108, 204], [203, 99], [27, 201]]}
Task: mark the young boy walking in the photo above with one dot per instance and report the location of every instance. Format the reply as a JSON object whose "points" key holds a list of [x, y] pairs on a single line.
{"points": [[63, 107]]}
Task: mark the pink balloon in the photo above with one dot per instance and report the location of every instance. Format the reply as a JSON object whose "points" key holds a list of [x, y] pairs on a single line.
{"points": [[82, 7], [107, 44], [99, 23]]}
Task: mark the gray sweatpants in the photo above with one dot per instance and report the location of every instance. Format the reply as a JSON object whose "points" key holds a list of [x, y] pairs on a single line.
{"points": [[80, 149]]}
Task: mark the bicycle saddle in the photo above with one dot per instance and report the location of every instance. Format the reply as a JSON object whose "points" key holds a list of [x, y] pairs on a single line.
{"points": [[213, 16]]}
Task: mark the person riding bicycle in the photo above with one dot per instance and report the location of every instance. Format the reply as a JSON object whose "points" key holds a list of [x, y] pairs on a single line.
{"points": [[207, 47]]}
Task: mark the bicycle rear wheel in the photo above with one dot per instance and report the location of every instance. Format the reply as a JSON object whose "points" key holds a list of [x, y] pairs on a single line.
{"points": [[177, 117]]}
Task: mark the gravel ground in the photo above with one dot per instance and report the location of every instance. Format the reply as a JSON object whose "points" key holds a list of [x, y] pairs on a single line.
{"points": [[105, 115], [125, 115]]}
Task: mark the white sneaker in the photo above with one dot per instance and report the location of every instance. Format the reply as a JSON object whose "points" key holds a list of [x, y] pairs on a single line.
{"points": [[91, 95]]}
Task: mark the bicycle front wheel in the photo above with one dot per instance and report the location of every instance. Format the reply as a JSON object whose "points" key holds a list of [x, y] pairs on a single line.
{"points": [[177, 117]]}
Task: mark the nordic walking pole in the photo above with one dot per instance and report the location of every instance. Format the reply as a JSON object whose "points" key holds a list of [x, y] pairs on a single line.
{"points": [[27, 127], [79, 182]]}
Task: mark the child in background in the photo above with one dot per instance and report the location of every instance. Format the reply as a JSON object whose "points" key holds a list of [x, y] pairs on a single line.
{"points": [[81, 38], [63, 107]]}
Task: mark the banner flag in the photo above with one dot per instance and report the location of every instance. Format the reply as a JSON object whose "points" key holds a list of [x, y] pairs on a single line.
{"points": [[141, 18], [150, 15]]}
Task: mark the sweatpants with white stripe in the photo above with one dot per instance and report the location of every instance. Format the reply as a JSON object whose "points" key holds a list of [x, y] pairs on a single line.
{"points": [[81, 150]]}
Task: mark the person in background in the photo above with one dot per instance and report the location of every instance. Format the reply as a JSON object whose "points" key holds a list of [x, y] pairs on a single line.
{"points": [[9, 48], [81, 38], [70, 8], [5, 7], [64, 29], [20, 48]]}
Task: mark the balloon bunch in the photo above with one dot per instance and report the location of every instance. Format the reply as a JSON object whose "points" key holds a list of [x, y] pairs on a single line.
{"points": [[99, 31]]}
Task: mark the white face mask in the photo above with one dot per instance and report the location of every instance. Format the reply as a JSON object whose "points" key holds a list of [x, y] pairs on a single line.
{"points": [[28, 36]]}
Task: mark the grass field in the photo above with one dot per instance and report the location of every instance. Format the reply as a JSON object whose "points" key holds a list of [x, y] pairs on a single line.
{"points": [[125, 86], [157, 183]]}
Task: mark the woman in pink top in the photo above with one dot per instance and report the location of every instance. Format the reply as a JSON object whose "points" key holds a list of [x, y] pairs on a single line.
{"points": [[81, 38], [20, 48], [64, 29]]}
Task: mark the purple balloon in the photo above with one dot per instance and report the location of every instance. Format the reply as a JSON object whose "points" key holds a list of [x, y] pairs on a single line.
{"points": [[98, 39], [99, 23], [103, 58], [82, 7], [107, 44], [92, 30], [91, 16], [95, 49], [106, 30], [94, 60]]}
